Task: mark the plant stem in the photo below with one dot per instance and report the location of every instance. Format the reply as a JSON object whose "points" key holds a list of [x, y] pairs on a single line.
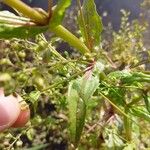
{"points": [[59, 30], [50, 5], [67, 36], [27, 11], [62, 81], [52, 49], [127, 127]]}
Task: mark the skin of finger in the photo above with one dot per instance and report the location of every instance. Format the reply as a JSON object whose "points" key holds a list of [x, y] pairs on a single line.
{"points": [[9, 110], [1, 92], [24, 115], [22, 119]]}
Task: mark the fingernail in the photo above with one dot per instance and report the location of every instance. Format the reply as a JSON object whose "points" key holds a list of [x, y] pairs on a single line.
{"points": [[9, 111]]}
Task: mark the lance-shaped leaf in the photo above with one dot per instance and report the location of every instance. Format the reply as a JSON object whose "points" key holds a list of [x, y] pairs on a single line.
{"points": [[23, 32], [89, 84], [79, 93], [140, 112], [127, 77], [73, 98], [59, 12], [81, 115], [90, 23], [12, 26], [136, 77], [147, 101]]}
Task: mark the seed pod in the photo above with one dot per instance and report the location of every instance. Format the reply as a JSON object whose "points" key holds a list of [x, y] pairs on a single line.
{"points": [[39, 82]]}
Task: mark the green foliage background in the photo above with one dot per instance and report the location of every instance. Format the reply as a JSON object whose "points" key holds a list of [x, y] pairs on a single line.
{"points": [[101, 98]]}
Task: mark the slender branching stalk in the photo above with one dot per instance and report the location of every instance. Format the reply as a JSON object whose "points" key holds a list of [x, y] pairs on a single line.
{"points": [[127, 127]]}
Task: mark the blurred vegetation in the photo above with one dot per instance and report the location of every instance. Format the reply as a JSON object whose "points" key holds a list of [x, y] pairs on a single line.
{"points": [[118, 114]]}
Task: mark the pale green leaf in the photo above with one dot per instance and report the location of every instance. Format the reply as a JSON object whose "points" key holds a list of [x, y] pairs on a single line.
{"points": [[81, 114], [22, 32], [38, 147], [91, 22], [77, 111], [33, 97], [147, 102], [89, 84], [79, 92], [72, 99], [130, 146], [59, 12], [12, 26], [140, 112]]}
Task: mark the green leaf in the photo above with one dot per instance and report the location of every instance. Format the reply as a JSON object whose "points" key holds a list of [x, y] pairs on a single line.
{"points": [[30, 134], [117, 75], [81, 115], [147, 101], [140, 112], [90, 23], [77, 111], [130, 146], [89, 84], [72, 99], [12, 26], [59, 12], [136, 77], [117, 95], [33, 97], [23, 32], [79, 93], [38, 147], [128, 77]]}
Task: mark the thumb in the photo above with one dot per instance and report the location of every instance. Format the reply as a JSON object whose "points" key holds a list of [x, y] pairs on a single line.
{"points": [[9, 110]]}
